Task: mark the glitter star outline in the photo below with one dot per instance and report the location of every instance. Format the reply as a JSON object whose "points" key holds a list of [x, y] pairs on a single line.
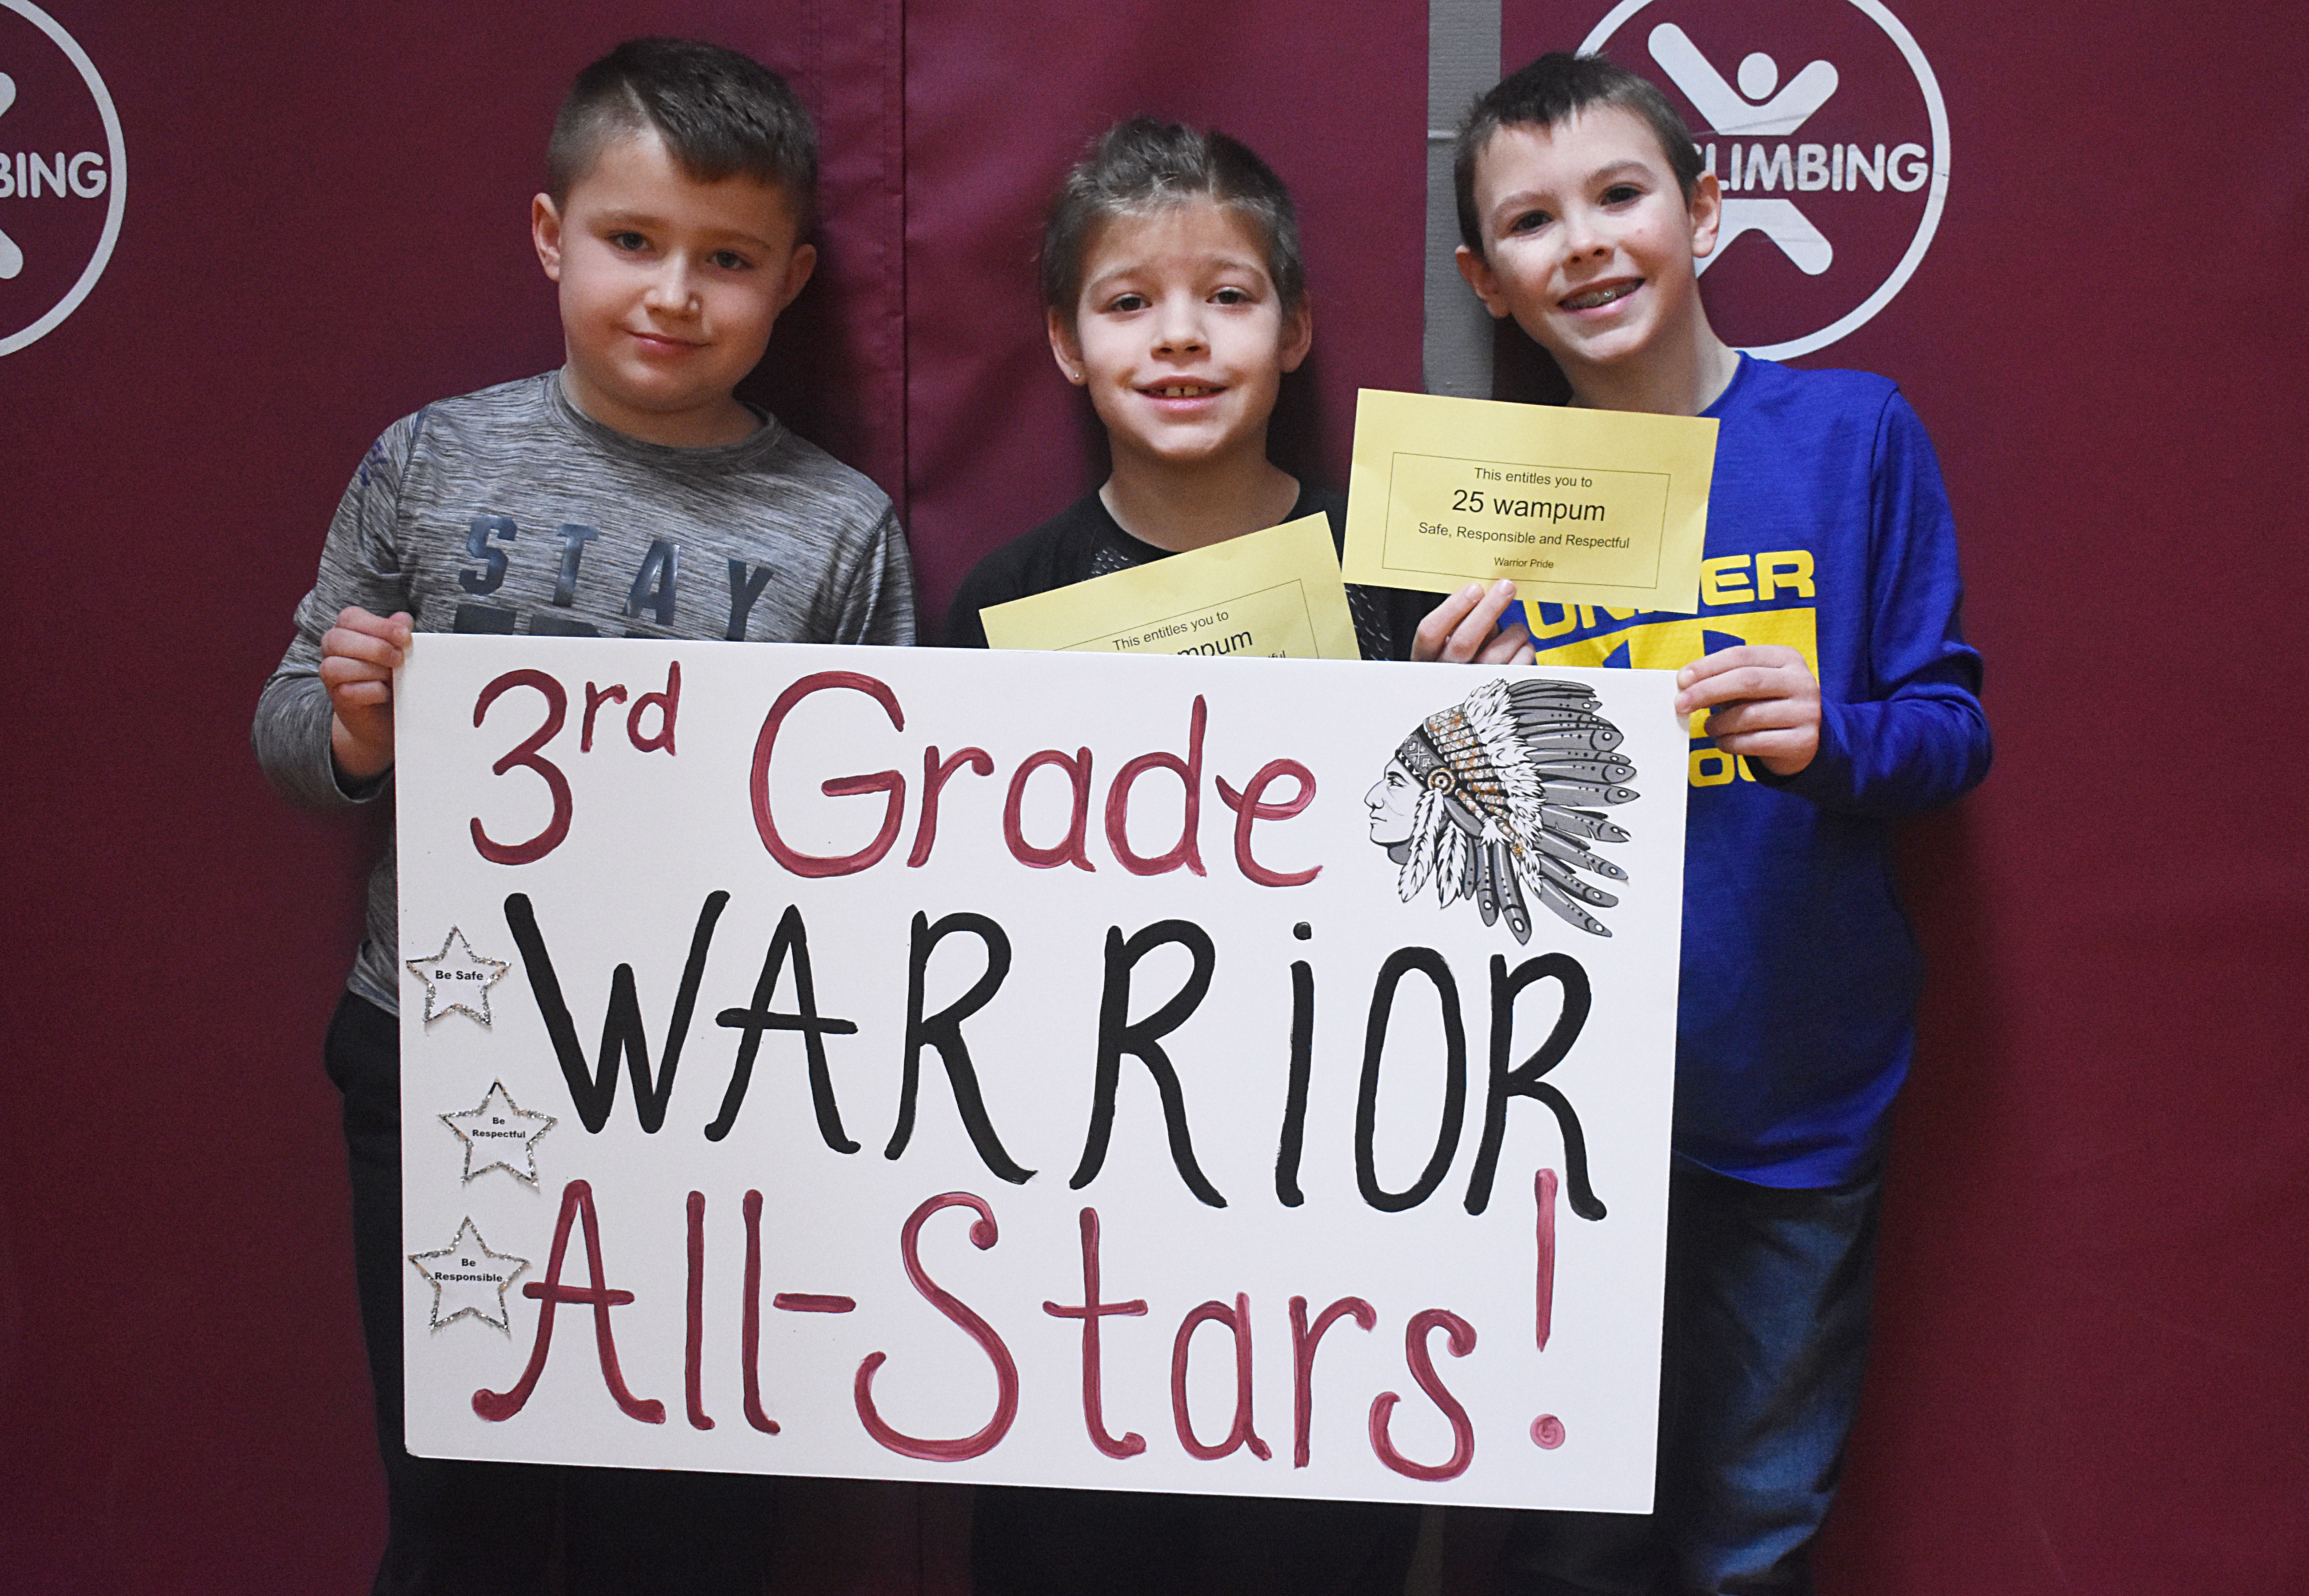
{"points": [[510, 1112], [434, 1007], [446, 1287]]}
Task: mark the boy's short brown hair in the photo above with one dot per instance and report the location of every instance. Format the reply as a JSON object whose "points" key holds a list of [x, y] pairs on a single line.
{"points": [[1145, 163], [721, 114], [1550, 91]]}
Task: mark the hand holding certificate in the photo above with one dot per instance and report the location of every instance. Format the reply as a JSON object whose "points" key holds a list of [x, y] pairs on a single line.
{"points": [[1274, 593], [1576, 505]]}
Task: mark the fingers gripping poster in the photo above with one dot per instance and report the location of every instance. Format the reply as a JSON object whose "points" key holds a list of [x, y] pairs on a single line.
{"points": [[1242, 1076]]}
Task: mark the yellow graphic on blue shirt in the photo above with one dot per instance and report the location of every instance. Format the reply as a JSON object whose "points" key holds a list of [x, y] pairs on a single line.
{"points": [[1626, 639]]}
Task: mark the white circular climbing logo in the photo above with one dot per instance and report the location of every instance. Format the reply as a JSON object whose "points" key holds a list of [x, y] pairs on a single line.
{"points": [[64, 175], [1824, 123]]}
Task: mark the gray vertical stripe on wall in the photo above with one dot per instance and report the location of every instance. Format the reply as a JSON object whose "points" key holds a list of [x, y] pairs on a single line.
{"points": [[1463, 60]]}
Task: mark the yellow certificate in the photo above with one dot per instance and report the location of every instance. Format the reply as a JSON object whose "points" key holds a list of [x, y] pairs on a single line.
{"points": [[1573, 506], [1275, 593]]}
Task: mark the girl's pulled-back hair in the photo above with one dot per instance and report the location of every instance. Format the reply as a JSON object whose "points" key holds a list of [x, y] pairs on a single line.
{"points": [[721, 114], [1146, 164], [1550, 91]]}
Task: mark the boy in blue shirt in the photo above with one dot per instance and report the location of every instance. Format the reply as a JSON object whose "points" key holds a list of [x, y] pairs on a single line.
{"points": [[628, 493], [1851, 701]]}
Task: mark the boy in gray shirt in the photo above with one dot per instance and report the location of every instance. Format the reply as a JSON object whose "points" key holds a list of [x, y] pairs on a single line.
{"points": [[629, 493]]}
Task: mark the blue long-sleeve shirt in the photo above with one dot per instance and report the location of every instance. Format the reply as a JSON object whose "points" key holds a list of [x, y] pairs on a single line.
{"points": [[1828, 531]]}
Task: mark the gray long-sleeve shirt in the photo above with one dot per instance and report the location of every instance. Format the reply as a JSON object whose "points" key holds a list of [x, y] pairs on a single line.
{"points": [[509, 510]]}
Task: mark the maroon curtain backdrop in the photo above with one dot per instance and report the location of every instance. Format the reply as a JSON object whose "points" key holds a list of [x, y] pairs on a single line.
{"points": [[997, 439], [2089, 1374]]}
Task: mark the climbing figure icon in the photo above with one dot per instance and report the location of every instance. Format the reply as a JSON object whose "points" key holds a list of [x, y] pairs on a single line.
{"points": [[1732, 114], [1752, 110]]}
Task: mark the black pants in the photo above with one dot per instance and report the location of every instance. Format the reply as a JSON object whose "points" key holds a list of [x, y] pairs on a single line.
{"points": [[1030, 1542], [457, 1527]]}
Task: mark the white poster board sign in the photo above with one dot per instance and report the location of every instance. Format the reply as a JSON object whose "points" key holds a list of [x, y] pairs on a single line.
{"points": [[1247, 1076]]}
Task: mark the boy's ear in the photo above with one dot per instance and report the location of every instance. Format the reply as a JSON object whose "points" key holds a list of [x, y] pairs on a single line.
{"points": [[1707, 214], [1064, 347], [545, 232], [799, 266], [1480, 277], [1298, 336]]}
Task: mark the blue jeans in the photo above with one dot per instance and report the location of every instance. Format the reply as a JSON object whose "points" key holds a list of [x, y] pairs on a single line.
{"points": [[1763, 1346]]}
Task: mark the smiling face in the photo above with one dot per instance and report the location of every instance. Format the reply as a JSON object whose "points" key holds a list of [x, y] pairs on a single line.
{"points": [[1392, 800], [1588, 242], [1179, 335], [669, 287]]}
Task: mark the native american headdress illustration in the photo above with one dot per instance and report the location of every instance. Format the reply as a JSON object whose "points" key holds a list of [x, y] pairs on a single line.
{"points": [[1512, 781]]}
